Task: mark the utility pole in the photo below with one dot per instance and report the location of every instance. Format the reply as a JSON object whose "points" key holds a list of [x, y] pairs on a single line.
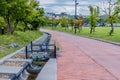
{"points": [[76, 3]]}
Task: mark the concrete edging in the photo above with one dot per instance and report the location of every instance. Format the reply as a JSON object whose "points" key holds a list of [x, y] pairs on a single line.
{"points": [[102, 40], [49, 71]]}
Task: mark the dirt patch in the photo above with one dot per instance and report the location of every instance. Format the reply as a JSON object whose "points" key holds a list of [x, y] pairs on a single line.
{"points": [[4, 76], [13, 63], [22, 56]]}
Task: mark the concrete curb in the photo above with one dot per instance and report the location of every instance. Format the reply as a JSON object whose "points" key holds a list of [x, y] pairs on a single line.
{"points": [[49, 71], [102, 40]]}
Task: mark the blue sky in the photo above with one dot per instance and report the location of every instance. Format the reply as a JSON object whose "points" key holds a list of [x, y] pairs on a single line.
{"points": [[58, 6]]}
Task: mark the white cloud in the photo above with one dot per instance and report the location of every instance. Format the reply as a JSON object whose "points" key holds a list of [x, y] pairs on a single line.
{"points": [[58, 6], [42, 2]]}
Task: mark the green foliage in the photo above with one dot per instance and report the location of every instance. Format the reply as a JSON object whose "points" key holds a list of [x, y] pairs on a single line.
{"points": [[71, 21], [93, 18], [55, 22], [78, 22], [15, 11], [37, 18], [63, 22], [2, 22]]}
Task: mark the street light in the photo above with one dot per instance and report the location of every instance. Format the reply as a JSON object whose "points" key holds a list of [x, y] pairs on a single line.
{"points": [[76, 3]]}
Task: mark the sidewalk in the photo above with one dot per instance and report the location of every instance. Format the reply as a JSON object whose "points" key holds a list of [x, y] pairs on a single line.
{"points": [[75, 64]]}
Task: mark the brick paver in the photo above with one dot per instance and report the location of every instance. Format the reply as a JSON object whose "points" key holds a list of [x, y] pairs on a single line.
{"points": [[74, 64]]}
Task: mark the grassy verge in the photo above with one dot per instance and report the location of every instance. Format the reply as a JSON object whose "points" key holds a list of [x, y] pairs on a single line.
{"points": [[100, 32], [20, 38]]}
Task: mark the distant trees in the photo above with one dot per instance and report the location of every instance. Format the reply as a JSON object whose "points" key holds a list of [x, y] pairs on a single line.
{"points": [[55, 22], [93, 18], [71, 22], [64, 22]]}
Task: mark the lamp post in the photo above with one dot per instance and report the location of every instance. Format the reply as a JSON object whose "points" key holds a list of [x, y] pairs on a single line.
{"points": [[76, 3]]}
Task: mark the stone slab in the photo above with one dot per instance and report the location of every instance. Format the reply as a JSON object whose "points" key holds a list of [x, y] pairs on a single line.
{"points": [[4, 79], [10, 69], [21, 60], [49, 71]]}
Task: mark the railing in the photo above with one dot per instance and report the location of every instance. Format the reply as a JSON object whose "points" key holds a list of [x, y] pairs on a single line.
{"points": [[40, 46]]}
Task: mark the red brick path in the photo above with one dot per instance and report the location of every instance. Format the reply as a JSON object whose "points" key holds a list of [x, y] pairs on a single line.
{"points": [[74, 64]]}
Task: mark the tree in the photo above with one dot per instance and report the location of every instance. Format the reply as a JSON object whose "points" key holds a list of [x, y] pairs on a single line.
{"points": [[77, 24], [64, 22], [37, 18], [111, 11], [55, 22], [71, 22], [94, 12], [12, 11], [33, 14]]}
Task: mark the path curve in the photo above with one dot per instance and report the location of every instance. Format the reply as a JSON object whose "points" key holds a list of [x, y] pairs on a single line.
{"points": [[86, 59]]}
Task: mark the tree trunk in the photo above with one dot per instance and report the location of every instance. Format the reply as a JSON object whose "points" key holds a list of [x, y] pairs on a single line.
{"points": [[112, 29], [72, 28], [25, 28], [79, 29], [9, 27], [91, 30], [15, 25], [75, 30]]}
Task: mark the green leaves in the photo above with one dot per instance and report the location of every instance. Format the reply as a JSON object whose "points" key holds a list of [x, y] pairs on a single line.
{"points": [[71, 21], [94, 13], [15, 11], [63, 22]]}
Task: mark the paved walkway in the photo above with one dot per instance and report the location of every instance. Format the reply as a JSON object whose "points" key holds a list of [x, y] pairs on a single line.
{"points": [[86, 59]]}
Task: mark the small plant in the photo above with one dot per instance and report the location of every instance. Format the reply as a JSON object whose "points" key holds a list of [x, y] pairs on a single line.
{"points": [[63, 22]]}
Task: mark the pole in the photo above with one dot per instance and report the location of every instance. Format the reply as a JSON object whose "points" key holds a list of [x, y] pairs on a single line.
{"points": [[26, 52], [54, 49], [75, 9], [31, 44], [75, 13]]}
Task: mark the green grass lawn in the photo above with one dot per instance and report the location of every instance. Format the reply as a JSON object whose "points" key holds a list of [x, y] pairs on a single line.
{"points": [[20, 38], [100, 32]]}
